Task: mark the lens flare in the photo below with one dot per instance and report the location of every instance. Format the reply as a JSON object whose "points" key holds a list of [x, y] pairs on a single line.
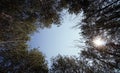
{"points": [[98, 42]]}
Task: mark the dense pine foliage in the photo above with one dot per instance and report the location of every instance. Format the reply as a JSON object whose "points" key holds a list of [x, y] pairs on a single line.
{"points": [[20, 18]]}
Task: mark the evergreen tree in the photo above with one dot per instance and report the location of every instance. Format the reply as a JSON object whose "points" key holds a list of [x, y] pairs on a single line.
{"points": [[102, 19], [65, 64]]}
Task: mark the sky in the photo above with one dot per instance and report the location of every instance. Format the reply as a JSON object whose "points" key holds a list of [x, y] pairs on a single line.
{"points": [[58, 40]]}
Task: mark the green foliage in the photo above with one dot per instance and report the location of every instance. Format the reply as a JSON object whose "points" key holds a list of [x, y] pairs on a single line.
{"points": [[36, 62], [14, 54], [16, 24], [28, 10], [20, 18], [102, 19], [73, 6], [22, 61], [64, 64]]}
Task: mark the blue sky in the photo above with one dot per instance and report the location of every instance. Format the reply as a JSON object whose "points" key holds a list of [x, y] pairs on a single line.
{"points": [[58, 40]]}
